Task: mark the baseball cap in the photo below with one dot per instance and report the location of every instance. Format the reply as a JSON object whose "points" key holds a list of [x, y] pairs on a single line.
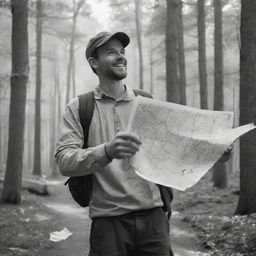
{"points": [[102, 38]]}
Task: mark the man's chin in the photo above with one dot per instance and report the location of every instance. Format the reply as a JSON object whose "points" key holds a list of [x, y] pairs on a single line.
{"points": [[119, 76]]}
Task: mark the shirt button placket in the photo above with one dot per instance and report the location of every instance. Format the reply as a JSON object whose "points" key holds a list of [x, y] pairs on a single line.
{"points": [[117, 123]]}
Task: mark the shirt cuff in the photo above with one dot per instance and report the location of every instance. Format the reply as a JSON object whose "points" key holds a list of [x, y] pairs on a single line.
{"points": [[102, 159]]}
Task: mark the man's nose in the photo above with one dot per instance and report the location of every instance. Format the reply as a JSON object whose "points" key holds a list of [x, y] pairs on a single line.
{"points": [[121, 56]]}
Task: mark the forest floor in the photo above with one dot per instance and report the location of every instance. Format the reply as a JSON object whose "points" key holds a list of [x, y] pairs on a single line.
{"points": [[202, 223], [210, 212]]}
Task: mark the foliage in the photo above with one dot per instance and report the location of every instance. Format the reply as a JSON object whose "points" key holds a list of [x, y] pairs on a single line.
{"points": [[58, 19], [210, 213], [4, 4], [157, 22], [22, 232], [125, 19], [231, 20], [5, 51]]}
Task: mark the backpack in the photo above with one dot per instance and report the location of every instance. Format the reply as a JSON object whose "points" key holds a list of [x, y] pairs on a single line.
{"points": [[81, 186]]}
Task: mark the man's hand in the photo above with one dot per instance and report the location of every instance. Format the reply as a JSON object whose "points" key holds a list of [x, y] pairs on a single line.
{"points": [[124, 145], [227, 154]]}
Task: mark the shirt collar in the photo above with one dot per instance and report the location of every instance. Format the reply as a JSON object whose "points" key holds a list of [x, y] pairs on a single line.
{"points": [[128, 95]]}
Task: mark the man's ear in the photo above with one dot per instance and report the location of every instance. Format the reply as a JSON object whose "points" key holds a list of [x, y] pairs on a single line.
{"points": [[93, 62]]}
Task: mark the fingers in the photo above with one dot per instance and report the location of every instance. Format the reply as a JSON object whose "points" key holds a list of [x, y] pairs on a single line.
{"points": [[129, 136], [125, 149], [227, 154], [121, 152], [229, 150], [128, 144], [123, 155], [124, 145]]}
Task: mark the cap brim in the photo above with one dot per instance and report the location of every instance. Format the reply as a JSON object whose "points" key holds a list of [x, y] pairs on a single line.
{"points": [[124, 38], [121, 36]]}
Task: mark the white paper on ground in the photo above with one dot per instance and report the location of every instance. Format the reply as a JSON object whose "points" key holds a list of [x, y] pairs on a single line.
{"points": [[179, 143], [57, 236]]}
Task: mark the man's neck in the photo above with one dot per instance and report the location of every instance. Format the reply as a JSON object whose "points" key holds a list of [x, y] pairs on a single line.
{"points": [[114, 88]]}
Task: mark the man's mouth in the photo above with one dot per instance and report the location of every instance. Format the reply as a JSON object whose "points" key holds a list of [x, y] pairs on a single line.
{"points": [[120, 65]]}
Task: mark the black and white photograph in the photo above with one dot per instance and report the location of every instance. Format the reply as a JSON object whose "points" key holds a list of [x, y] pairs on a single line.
{"points": [[127, 128]]}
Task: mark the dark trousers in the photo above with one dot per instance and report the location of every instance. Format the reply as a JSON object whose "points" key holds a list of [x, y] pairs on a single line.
{"points": [[136, 234]]}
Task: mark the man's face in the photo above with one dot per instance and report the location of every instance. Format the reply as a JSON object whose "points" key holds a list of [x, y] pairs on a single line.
{"points": [[111, 60]]}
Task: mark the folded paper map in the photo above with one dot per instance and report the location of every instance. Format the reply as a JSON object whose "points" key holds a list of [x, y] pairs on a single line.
{"points": [[179, 143]]}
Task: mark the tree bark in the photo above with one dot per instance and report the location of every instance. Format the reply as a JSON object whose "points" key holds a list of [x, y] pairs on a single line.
{"points": [[54, 99], [76, 10], [247, 200], [202, 54], [1, 134], [236, 154], [59, 105], [74, 76], [30, 142], [218, 56], [70, 62], [151, 63], [181, 54], [171, 43], [139, 40], [37, 141], [219, 172], [12, 183]]}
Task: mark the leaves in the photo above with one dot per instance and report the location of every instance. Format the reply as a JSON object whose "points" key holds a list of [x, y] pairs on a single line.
{"points": [[5, 4], [210, 212]]}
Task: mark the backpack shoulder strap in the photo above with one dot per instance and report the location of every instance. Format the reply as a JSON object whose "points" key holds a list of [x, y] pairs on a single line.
{"points": [[142, 93], [86, 108], [167, 197]]}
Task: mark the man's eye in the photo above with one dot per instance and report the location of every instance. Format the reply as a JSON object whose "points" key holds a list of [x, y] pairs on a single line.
{"points": [[110, 52]]}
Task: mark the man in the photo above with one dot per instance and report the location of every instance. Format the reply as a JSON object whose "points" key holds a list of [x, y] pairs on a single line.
{"points": [[126, 210], [126, 213]]}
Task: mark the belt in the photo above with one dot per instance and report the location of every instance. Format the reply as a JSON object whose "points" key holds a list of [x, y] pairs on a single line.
{"points": [[142, 212]]}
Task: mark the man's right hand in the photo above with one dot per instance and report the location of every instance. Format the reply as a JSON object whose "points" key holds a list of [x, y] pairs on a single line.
{"points": [[124, 145]]}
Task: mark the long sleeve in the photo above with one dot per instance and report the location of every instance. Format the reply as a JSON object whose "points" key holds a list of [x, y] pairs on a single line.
{"points": [[71, 158]]}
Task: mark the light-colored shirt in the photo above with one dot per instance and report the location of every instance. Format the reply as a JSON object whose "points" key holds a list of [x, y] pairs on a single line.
{"points": [[117, 189]]}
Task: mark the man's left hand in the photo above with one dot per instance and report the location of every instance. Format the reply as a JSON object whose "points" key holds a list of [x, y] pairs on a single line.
{"points": [[227, 154]]}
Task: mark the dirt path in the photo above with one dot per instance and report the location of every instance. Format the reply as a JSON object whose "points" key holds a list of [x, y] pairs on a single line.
{"points": [[75, 219]]}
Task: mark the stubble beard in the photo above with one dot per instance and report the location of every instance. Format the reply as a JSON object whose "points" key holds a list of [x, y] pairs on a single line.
{"points": [[116, 75]]}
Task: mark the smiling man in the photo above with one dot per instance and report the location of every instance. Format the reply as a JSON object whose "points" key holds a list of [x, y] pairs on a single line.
{"points": [[108, 58], [126, 210]]}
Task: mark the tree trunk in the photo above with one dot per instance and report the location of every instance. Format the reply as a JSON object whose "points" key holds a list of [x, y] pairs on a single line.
{"points": [[37, 141], [218, 56], [247, 200], [59, 104], [74, 76], [70, 61], [138, 35], [1, 135], [151, 63], [53, 166], [219, 172], [12, 183], [30, 146], [171, 43], [202, 54], [5, 141], [76, 10], [181, 54], [236, 154]]}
